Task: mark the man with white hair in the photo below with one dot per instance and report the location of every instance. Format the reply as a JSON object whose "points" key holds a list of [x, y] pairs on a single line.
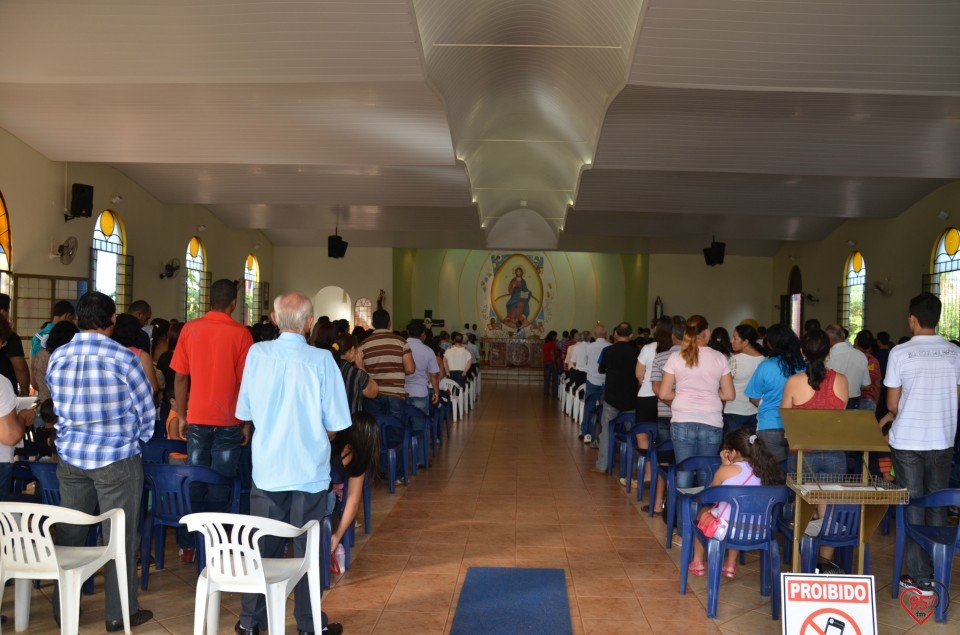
{"points": [[294, 394]]}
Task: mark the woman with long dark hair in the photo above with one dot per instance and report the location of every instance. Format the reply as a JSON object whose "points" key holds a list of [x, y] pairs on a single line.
{"points": [[818, 388], [747, 356], [354, 453], [720, 341], [696, 382], [169, 375], [765, 388], [358, 382]]}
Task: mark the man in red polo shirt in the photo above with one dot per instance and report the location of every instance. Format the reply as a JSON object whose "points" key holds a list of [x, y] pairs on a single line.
{"points": [[209, 361]]}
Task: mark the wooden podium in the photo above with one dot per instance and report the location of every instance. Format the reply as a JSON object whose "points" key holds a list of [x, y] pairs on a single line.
{"points": [[843, 430]]}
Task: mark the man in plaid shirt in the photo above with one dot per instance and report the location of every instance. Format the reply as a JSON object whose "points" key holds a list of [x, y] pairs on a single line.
{"points": [[105, 408]]}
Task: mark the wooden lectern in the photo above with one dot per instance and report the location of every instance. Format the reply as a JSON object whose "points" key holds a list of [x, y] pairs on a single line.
{"points": [[843, 430]]}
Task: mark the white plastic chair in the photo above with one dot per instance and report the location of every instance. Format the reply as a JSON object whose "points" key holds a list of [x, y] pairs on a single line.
{"points": [[27, 553], [456, 396], [234, 565]]}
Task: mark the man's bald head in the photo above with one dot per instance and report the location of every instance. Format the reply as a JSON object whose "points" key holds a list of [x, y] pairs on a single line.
{"points": [[600, 332], [293, 313]]}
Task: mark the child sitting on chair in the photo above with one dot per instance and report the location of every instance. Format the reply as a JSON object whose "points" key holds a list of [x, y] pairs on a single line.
{"points": [[745, 461]]}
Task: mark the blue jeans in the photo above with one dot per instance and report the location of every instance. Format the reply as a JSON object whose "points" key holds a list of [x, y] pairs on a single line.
{"points": [[216, 447], [420, 423], [591, 406], [922, 473], [383, 405], [609, 414], [694, 439], [820, 462], [776, 441], [550, 379], [732, 422]]}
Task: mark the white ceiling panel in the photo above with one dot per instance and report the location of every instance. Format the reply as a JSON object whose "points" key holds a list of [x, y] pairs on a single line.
{"points": [[326, 124], [795, 133], [839, 45], [615, 125], [212, 41], [342, 185], [443, 237], [700, 227], [751, 194], [349, 218]]}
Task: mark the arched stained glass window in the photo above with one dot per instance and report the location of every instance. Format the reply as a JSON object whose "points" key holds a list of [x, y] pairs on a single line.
{"points": [[251, 290], [944, 280], [363, 313], [196, 280], [111, 270], [851, 295], [6, 253]]}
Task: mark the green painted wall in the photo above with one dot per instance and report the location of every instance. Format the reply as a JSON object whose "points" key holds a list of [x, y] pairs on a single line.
{"points": [[636, 279], [403, 263]]}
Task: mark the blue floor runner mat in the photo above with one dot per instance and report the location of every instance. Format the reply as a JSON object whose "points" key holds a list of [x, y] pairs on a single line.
{"points": [[505, 600]]}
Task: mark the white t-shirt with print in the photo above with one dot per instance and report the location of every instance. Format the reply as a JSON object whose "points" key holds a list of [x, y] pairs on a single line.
{"points": [[927, 370]]}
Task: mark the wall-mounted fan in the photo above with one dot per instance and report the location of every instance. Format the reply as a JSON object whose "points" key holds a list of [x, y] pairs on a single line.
{"points": [[66, 251], [169, 269]]}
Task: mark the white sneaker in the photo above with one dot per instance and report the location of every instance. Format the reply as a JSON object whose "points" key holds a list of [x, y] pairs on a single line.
{"points": [[587, 439]]}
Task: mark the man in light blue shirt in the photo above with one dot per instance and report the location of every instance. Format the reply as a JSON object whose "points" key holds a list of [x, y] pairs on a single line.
{"points": [[294, 395], [416, 384]]}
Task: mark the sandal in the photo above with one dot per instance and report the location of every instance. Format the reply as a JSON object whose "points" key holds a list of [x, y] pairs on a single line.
{"points": [[646, 510], [696, 568], [729, 571]]}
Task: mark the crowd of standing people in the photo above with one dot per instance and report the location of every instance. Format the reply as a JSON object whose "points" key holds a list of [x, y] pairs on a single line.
{"points": [[710, 392]]}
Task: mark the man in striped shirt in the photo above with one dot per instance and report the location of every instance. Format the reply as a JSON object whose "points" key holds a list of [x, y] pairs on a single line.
{"points": [[104, 403], [388, 359]]}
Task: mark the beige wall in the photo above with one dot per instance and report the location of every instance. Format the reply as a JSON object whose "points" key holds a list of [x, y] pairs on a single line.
{"points": [[33, 188], [362, 273], [725, 294], [896, 252]]}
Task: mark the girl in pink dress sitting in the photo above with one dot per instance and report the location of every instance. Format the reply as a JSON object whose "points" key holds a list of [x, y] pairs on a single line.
{"points": [[745, 461]]}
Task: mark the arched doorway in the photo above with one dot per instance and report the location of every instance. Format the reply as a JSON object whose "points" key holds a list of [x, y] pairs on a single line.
{"points": [[334, 302]]}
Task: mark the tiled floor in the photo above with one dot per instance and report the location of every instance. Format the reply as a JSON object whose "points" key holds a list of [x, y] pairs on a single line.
{"points": [[512, 487]]}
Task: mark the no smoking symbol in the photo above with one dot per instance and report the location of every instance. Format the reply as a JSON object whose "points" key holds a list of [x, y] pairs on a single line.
{"points": [[830, 622]]}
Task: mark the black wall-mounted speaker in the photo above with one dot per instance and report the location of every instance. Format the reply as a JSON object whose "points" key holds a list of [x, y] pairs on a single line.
{"points": [[81, 200], [336, 247], [713, 255]]}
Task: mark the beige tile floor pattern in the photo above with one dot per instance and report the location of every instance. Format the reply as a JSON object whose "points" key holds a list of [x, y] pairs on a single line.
{"points": [[512, 487]]}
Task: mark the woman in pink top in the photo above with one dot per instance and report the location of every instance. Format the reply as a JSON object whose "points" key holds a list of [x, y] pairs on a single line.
{"points": [[696, 382]]}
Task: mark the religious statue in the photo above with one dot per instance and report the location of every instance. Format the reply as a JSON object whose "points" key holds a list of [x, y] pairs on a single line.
{"points": [[518, 305]]}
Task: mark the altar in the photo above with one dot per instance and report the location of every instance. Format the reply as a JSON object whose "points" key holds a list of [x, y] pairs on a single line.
{"points": [[501, 352]]}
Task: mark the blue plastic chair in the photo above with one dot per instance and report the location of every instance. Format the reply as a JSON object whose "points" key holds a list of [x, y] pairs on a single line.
{"points": [[386, 423], [651, 454], [942, 543], [675, 499], [753, 523], [22, 476], [169, 487], [46, 474], [618, 434], [840, 529], [628, 445], [418, 440]]}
